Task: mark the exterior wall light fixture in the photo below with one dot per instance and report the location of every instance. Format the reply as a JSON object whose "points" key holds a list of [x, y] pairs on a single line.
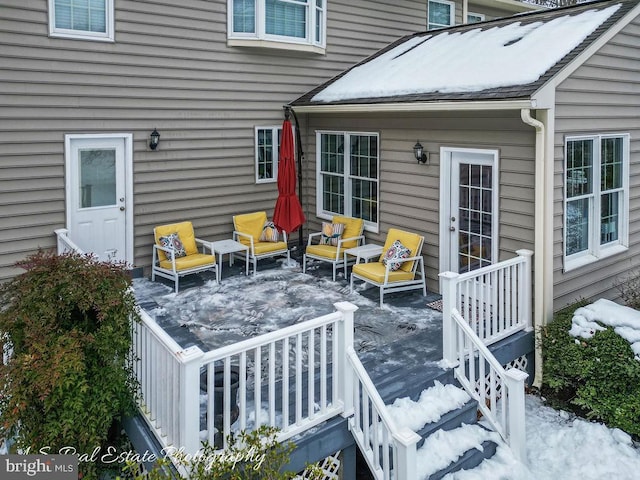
{"points": [[421, 155], [154, 139]]}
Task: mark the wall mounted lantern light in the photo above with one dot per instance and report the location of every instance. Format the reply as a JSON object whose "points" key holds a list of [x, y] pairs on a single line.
{"points": [[421, 155], [154, 139]]}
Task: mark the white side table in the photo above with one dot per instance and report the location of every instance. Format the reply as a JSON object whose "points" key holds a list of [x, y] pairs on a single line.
{"points": [[224, 247], [365, 252]]}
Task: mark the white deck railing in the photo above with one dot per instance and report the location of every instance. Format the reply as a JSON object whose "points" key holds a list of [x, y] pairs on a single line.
{"points": [[293, 379], [65, 244], [494, 300], [381, 442], [488, 382]]}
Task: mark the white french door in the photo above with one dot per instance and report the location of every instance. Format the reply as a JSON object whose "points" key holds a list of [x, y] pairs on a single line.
{"points": [[98, 194], [469, 214]]}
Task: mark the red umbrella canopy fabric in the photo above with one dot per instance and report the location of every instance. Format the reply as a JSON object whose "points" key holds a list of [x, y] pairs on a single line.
{"points": [[288, 215]]}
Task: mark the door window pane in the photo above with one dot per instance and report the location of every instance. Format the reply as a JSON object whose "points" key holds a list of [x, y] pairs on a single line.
{"points": [[475, 220], [97, 177]]}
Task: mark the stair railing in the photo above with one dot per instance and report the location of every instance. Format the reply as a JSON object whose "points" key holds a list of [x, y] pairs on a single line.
{"points": [[499, 392], [386, 447], [64, 243]]}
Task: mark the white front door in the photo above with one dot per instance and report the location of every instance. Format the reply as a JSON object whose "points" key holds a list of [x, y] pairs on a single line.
{"points": [[97, 195], [469, 217]]}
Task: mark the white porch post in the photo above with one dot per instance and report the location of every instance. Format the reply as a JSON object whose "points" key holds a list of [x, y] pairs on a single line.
{"points": [[406, 441], [449, 297], [343, 368], [189, 402], [526, 305], [514, 380]]}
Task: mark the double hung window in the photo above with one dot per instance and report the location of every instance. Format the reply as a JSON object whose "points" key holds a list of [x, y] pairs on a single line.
{"points": [[348, 175], [267, 153], [82, 19], [440, 14], [299, 22], [596, 197]]}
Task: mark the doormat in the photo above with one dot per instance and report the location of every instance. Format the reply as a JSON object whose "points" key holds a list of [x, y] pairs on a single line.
{"points": [[436, 305]]}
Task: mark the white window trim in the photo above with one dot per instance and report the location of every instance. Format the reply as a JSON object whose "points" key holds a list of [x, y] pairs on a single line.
{"points": [[595, 251], [276, 152], [481, 16], [325, 215], [261, 39], [107, 36], [452, 13]]}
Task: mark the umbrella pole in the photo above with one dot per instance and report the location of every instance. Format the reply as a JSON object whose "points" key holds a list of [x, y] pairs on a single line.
{"points": [[299, 157]]}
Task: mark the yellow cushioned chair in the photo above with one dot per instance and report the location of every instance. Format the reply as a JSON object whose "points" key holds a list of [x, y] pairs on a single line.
{"points": [[410, 274], [248, 228], [334, 254], [173, 264]]}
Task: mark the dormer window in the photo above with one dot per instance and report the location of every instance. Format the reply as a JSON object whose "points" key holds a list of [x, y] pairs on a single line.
{"points": [[288, 24]]}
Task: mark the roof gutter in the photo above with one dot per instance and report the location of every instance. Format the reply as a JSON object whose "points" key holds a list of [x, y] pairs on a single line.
{"points": [[417, 106], [539, 239]]}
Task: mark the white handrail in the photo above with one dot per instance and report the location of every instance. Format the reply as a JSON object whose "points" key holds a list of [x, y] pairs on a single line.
{"points": [[494, 300], [390, 451], [487, 382], [65, 244]]}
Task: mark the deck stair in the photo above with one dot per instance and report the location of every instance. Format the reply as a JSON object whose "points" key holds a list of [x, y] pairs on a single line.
{"points": [[445, 418]]}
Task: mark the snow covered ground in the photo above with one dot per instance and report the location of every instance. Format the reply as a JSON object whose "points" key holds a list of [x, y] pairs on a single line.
{"points": [[561, 446]]}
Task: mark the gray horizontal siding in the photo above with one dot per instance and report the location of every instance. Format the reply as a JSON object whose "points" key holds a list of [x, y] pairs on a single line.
{"points": [[170, 68], [602, 96], [410, 193]]}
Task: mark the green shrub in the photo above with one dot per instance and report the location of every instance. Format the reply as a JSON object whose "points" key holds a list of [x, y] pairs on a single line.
{"points": [[598, 378], [69, 379], [255, 455]]}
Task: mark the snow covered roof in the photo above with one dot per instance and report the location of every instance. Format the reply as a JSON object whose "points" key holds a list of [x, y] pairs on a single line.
{"points": [[508, 58]]}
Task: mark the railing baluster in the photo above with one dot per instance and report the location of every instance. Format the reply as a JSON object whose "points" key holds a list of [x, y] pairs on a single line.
{"points": [[257, 385], [272, 384], [323, 368], [242, 390], [311, 370], [298, 379], [285, 384]]}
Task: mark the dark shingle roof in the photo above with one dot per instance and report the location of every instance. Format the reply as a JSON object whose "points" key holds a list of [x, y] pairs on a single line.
{"points": [[512, 92]]}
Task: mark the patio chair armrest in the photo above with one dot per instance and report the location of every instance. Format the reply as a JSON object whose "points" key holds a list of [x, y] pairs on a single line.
{"points": [[205, 244], [312, 236], [169, 252], [419, 259], [237, 234], [359, 238]]}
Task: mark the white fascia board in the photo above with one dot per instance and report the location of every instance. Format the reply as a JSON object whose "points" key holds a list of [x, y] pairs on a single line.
{"points": [[416, 106], [542, 95]]}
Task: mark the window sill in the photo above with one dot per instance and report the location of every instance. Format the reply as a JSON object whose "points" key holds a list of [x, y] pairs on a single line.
{"points": [[81, 36], [575, 263], [257, 43]]}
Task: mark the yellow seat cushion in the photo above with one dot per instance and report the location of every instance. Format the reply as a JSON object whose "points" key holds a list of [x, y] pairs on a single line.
{"points": [[375, 272], [410, 240], [190, 261], [265, 247], [250, 224], [184, 231], [324, 251], [353, 227]]}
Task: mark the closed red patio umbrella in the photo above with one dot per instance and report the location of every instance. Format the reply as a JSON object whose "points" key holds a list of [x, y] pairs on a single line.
{"points": [[288, 215]]}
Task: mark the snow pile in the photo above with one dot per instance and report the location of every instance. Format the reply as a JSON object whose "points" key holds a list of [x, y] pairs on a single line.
{"points": [[561, 446], [604, 313], [470, 61], [432, 404]]}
